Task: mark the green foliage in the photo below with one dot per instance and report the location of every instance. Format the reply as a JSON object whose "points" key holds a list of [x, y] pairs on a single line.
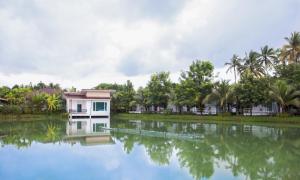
{"points": [[289, 73], [221, 93], [10, 109], [267, 57], [252, 91], [285, 95], [253, 65], [123, 98], [53, 102], [159, 88], [198, 81], [31, 98], [290, 52], [235, 65]]}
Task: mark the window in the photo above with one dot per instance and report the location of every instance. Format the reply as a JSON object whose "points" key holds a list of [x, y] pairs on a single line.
{"points": [[97, 127], [99, 106], [79, 108], [79, 125]]}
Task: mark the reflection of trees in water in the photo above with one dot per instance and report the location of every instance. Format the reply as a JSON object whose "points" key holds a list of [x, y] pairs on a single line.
{"points": [[22, 134], [252, 151], [53, 133], [197, 156], [159, 149]]}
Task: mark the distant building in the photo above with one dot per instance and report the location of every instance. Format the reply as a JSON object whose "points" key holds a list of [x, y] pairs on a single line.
{"points": [[88, 103]]}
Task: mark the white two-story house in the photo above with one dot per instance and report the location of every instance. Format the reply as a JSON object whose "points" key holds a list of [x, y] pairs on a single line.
{"points": [[88, 103]]}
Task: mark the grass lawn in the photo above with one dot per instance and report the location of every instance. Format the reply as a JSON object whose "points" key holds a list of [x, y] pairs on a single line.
{"points": [[197, 118], [33, 117]]}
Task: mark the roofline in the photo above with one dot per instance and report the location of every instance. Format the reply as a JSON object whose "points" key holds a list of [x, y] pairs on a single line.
{"points": [[98, 90], [90, 98]]}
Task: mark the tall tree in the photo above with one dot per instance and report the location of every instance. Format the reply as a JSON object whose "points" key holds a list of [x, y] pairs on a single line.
{"points": [[142, 98], [128, 96], [253, 65], [251, 91], [159, 89], [235, 64], [198, 81], [291, 51], [266, 57]]}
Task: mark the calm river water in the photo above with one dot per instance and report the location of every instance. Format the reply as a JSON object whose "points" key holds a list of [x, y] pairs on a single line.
{"points": [[82, 149]]}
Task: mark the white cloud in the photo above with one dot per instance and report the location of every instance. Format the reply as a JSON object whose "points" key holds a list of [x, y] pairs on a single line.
{"points": [[83, 43]]}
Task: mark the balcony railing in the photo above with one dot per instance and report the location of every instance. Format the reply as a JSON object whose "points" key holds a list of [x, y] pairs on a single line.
{"points": [[75, 111]]}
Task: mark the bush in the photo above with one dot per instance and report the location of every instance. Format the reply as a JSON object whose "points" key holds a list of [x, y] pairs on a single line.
{"points": [[10, 109], [167, 111]]}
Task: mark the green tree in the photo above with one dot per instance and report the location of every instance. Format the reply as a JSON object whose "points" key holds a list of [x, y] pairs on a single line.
{"points": [[53, 102], [289, 73], [159, 88], [4, 90], [251, 90], [123, 98], [285, 95], [235, 64], [222, 93], [142, 98], [128, 96], [291, 51], [253, 65], [198, 81], [267, 57], [38, 102]]}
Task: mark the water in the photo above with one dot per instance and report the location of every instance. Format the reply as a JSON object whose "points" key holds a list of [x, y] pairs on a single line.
{"points": [[83, 150]]}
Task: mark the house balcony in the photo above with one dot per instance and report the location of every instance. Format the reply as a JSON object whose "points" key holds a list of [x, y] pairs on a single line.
{"points": [[75, 111]]}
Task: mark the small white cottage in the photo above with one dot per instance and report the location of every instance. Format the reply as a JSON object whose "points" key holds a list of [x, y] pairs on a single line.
{"points": [[88, 103]]}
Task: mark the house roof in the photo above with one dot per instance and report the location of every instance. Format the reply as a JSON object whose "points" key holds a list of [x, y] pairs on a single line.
{"points": [[89, 94]]}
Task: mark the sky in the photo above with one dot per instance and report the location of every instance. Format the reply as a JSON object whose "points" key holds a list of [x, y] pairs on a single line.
{"points": [[83, 43]]}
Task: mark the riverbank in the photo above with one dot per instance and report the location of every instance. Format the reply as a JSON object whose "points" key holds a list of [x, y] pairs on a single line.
{"points": [[197, 118], [33, 117]]}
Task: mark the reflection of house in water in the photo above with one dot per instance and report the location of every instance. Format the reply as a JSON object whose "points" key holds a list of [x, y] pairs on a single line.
{"points": [[88, 131]]}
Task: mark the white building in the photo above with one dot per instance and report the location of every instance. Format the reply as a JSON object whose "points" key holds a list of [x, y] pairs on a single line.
{"points": [[88, 103]]}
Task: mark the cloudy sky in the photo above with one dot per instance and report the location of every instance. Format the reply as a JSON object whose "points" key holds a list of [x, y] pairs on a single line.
{"points": [[84, 42]]}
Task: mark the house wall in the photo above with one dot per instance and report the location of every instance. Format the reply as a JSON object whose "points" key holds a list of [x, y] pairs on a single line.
{"points": [[87, 104], [259, 110]]}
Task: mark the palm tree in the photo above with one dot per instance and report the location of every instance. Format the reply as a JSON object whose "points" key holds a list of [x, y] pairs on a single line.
{"points": [[235, 64], [222, 93], [52, 102], [253, 65], [285, 95], [266, 57], [291, 51]]}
